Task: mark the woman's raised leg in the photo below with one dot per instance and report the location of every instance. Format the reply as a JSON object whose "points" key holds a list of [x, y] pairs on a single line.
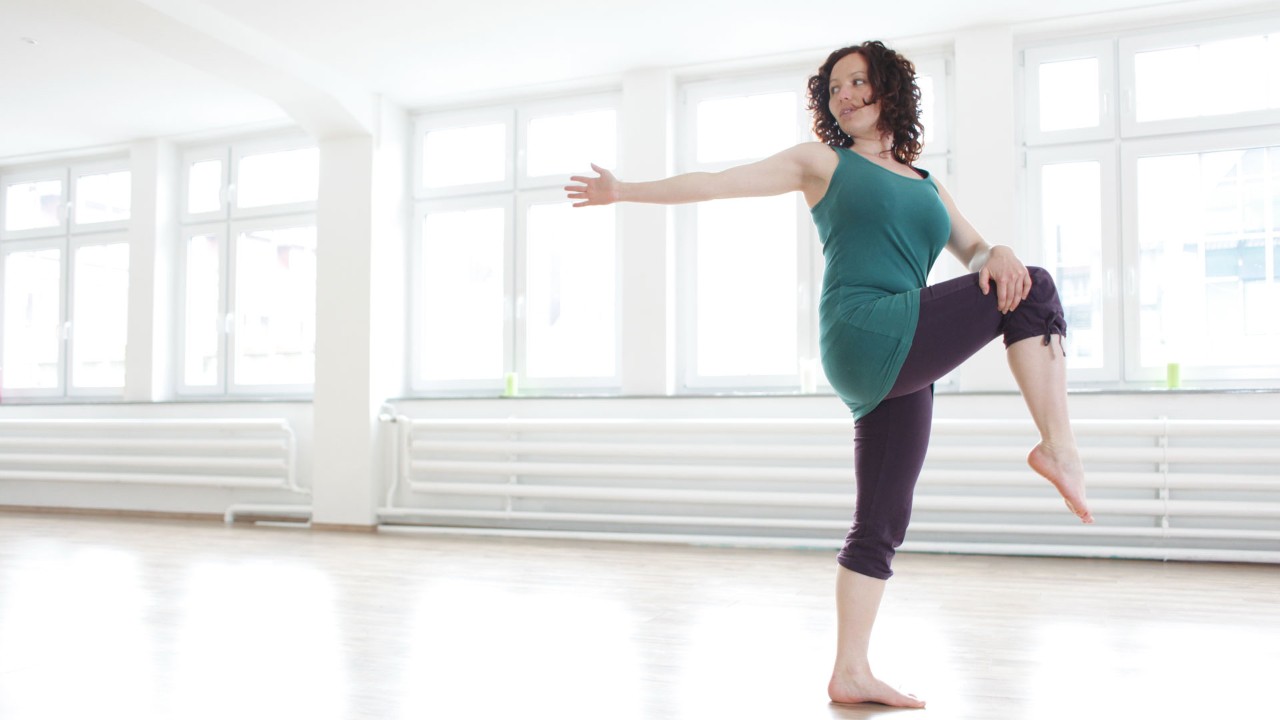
{"points": [[1041, 372], [957, 320]]}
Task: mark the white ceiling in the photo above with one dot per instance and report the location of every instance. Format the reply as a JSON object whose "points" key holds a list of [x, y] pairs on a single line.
{"points": [[103, 72]]}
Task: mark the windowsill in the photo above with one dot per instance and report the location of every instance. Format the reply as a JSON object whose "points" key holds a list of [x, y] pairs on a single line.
{"points": [[780, 395], [1146, 392], [32, 402]]}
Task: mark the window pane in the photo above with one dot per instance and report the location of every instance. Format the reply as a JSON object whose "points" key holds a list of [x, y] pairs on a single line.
{"points": [[278, 178], [571, 292], [103, 197], [275, 295], [1167, 80], [1069, 94], [1071, 230], [32, 322], [463, 307], [204, 187], [31, 205], [202, 320], [566, 144], [751, 126], [746, 276], [465, 156], [100, 314], [1208, 293]]}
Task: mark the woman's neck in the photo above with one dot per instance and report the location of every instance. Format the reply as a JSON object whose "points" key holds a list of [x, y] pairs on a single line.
{"points": [[878, 147]]}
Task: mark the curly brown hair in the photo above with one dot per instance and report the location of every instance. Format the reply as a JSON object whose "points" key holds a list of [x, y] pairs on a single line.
{"points": [[893, 84]]}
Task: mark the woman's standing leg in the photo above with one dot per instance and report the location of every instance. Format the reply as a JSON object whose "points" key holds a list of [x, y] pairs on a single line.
{"points": [[890, 444]]}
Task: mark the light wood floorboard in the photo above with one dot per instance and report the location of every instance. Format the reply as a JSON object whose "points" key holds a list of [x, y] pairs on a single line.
{"points": [[112, 618]]}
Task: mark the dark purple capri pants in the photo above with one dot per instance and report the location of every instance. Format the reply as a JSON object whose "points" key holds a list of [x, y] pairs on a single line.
{"points": [[956, 320]]}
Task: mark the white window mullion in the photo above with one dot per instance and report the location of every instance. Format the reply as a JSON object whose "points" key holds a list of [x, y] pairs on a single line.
{"points": [[516, 283]]}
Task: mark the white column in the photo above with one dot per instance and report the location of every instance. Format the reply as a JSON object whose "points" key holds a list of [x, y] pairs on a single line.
{"points": [[360, 316], [153, 236], [986, 165], [646, 244]]}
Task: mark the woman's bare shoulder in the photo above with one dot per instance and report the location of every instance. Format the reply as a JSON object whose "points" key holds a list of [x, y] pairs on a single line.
{"points": [[818, 159]]}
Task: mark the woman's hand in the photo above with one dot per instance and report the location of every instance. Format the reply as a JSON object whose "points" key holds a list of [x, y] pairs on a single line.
{"points": [[601, 190], [1013, 282]]}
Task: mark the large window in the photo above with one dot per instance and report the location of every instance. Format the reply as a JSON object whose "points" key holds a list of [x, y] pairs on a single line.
{"points": [[65, 280], [1157, 206], [750, 270], [746, 265], [248, 269], [509, 281]]}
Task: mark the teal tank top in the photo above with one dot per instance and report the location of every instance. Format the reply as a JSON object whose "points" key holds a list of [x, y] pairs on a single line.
{"points": [[881, 233]]}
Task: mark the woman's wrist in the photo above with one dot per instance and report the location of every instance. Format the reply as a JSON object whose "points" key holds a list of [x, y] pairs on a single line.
{"points": [[979, 258]]}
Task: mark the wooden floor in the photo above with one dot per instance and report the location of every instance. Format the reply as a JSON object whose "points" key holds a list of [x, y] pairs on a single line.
{"points": [[105, 618]]}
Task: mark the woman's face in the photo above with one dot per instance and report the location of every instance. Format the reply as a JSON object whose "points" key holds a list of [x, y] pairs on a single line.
{"points": [[851, 93]]}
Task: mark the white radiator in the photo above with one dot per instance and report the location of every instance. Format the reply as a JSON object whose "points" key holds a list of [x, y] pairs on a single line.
{"points": [[231, 453], [1176, 489]]}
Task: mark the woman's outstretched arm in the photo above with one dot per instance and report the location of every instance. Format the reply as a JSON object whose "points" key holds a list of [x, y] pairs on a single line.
{"points": [[797, 168]]}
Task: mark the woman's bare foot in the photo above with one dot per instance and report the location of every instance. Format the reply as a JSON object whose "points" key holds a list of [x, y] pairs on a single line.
{"points": [[866, 688], [1063, 468]]}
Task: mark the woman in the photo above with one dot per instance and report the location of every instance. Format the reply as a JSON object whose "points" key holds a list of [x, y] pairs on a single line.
{"points": [[885, 337]]}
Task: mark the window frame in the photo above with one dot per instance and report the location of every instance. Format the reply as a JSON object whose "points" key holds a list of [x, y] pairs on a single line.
{"points": [[533, 110], [1032, 58], [66, 237], [1130, 46], [70, 198], [1125, 142], [232, 315], [417, 342], [35, 245], [226, 224], [53, 172], [116, 237], [426, 123], [189, 158], [687, 380], [1130, 153], [247, 148], [218, 230], [1104, 153], [513, 194], [520, 288]]}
